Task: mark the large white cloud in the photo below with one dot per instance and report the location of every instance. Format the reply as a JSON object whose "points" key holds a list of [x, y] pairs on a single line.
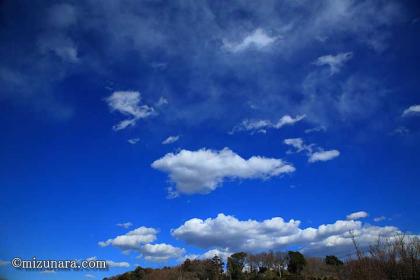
{"points": [[202, 171], [261, 126], [128, 104], [412, 110], [229, 234], [132, 240], [226, 231]]}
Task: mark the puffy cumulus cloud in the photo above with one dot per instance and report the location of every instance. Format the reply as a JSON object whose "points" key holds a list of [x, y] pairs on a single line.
{"points": [[161, 252], [202, 171], [357, 215], [259, 40], [228, 234], [313, 152], [132, 240], [411, 111], [323, 155], [170, 140], [139, 240], [128, 104], [125, 225], [335, 62], [261, 126]]}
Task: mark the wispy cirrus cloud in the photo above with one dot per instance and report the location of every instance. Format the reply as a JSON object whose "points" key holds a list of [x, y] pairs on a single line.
{"points": [[202, 171], [117, 264], [128, 104], [258, 39], [313, 152], [170, 140], [133, 141], [261, 126], [379, 219], [125, 225], [334, 62], [411, 111], [357, 215], [323, 155]]}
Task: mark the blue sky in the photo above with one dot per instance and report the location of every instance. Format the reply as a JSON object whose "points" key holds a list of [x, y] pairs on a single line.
{"points": [[145, 132]]}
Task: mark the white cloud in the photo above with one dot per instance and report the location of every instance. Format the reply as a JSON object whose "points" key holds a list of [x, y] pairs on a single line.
{"points": [[162, 101], [324, 155], [298, 144], [222, 253], [60, 45], [128, 104], [4, 263], [259, 40], [125, 225], [401, 130], [160, 252], [202, 171], [232, 235], [315, 129], [357, 215], [133, 141], [132, 240], [139, 240], [117, 264], [313, 156], [335, 62], [170, 140], [90, 276], [261, 126], [412, 110], [379, 219]]}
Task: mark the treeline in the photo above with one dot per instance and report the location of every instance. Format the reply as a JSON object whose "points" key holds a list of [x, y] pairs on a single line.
{"points": [[398, 259]]}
